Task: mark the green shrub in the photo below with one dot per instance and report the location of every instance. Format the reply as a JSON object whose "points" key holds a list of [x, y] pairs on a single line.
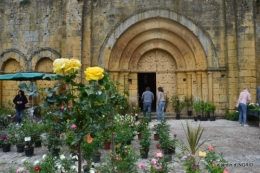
{"points": [[232, 116]]}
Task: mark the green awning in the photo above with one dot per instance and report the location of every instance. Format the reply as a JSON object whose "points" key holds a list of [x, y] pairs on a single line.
{"points": [[27, 76]]}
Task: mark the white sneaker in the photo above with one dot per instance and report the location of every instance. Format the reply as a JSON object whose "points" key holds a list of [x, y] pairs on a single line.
{"points": [[246, 125]]}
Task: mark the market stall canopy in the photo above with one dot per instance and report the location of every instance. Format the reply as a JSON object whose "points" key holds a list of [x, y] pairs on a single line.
{"points": [[27, 76]]}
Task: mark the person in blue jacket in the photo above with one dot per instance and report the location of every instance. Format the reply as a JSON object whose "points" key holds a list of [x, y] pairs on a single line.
{"points": [[147, 98]]}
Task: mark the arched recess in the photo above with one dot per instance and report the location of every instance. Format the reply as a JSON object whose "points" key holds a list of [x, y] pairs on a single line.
{"points": [[45, 53], [15, 54], [9, 88], [159, 21], [44, 65]]}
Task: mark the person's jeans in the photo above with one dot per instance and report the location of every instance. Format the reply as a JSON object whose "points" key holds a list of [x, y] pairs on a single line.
{"points": [[160, 110], [19, 116], [147, 107], [242, 113]]}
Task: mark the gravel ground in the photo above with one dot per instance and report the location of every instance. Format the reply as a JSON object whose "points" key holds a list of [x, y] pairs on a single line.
{"points": [[240, 145]]}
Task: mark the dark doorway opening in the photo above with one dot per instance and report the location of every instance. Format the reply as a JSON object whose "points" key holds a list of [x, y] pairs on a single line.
{"points": [[147, 80]]}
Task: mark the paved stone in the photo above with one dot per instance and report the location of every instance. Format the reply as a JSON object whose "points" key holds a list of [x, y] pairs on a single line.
{"points": [[240, 145]]}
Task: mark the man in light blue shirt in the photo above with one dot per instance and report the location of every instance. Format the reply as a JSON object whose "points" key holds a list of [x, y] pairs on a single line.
{"points": [[147, 98]]}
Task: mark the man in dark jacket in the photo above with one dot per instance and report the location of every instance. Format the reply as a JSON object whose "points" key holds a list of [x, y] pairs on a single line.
{"points": [[147, 98], [20, 100]]}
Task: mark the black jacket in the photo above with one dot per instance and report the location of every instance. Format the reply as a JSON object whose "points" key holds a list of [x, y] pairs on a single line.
{"points": [[20, 98]]}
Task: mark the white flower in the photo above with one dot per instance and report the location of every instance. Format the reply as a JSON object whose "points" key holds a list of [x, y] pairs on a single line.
{"points": [[62, 157], [44, 156], [75, 157], [23, 160], [74, 167], [36, 162], [92, 170]]}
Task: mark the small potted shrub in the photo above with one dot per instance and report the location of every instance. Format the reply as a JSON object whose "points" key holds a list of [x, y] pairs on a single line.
{"points": [[188, 100], [143, 124], [145, 142], [177, 105], [7, 138]]}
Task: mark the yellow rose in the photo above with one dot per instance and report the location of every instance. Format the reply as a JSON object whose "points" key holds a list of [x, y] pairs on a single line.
{"points": [[59, 66], [72, 65], [94, 73], [202, 154]]}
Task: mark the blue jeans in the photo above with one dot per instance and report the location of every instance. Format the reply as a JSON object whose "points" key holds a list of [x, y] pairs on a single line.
{"points": [[147, 107], [19, 115], [160, 110], [242, 113]]}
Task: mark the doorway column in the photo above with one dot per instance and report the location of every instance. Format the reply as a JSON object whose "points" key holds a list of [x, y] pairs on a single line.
{"points": [[210, 86], [189, 84], [199, 85]]}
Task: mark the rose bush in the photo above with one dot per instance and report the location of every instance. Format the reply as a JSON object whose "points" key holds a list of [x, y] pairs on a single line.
{"points": [[80, 110]]}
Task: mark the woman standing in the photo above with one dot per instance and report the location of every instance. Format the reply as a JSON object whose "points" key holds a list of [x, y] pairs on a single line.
{"points": [[161, 104], [242, 101], [20, 100]]}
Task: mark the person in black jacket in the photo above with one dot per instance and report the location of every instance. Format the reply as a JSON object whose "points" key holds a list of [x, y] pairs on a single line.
{"points": [[20, 100]]}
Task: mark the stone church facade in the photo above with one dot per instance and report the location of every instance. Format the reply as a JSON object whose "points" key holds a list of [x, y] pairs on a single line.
{"points": [[208, 49]]}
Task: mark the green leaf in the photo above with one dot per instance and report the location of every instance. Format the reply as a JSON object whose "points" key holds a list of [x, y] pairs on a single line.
{"points": [[22, 86]]}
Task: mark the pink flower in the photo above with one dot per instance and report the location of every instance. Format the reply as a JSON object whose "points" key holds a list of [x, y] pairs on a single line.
{"points": [[184, 158], [159, 155], [62, 107], [154, 161], [4, 137], [69, 107], [225, 171], [73, 126], [20, 170], [85, 163], [141, 165], [157, 167], [211, 148]]}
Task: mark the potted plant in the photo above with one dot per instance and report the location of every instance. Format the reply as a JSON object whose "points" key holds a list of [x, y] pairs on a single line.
{"points": [[7, 138], [193, 136], [197, 108], [19, 135], [143, 124], [145, 142], [188, 100], [212, 112], [90, 151], [177, 105], [167, 144], [160, 127], [124, 135], [166, 102]]}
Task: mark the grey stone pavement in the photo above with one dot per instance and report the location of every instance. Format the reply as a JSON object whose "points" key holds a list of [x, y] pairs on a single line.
{"points": [[239, 145]]}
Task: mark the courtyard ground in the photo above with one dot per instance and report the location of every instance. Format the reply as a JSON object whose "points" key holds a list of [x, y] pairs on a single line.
{"points": [[240, 145]]}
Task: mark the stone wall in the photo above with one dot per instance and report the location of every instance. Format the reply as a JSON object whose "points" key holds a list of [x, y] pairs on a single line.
{"points": [[35, 34]]}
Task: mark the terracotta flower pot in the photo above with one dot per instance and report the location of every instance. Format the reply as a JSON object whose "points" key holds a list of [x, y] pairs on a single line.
{"points": [[107, 145], [156, 137], [139, 136]]}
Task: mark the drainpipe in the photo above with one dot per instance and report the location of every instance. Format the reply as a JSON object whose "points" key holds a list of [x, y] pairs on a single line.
{"points": [[82, 36]]}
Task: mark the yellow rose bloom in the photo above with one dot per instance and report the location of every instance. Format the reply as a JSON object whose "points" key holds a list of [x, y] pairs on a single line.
{"points": [[94, 73], [202, 154], [59, 66], [72, 65]]}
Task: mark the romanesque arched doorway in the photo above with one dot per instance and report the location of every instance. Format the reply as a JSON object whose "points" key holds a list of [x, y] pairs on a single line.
{"points": [[165, 43]]}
